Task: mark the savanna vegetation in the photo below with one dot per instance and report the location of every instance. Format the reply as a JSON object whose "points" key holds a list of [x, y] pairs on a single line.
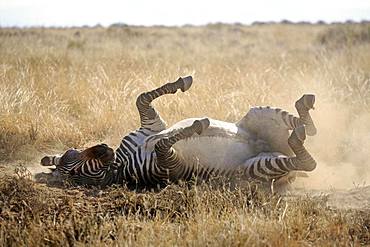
{"points": [[62, 88]]}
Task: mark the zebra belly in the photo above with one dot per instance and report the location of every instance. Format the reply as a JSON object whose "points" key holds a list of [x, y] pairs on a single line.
{"points": [[214, 153], [267, 124], [223, 146]]}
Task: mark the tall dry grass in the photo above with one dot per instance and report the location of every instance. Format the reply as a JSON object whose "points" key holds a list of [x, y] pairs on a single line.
{"points": [[61, 88], [34, 215]]}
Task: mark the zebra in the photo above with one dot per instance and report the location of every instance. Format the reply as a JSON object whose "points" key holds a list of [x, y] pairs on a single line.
{"points": [[92, 166], [259, 145]]}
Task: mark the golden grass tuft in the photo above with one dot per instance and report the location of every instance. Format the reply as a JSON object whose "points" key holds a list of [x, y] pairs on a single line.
{"points": [[34, 215]]}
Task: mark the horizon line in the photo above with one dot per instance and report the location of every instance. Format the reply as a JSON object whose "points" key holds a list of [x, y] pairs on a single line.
{"points": [[254, 23]]}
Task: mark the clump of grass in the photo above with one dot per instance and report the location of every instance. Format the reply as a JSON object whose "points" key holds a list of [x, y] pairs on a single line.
{"points": [[345, 35], [32, 214], [12, 138], [76, 44]]}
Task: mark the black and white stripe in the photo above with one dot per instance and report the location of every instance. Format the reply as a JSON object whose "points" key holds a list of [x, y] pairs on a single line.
{"points": [[94, 166]]}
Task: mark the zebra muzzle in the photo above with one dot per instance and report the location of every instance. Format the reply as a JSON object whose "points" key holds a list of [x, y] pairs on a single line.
{"points": [[46, 161]]}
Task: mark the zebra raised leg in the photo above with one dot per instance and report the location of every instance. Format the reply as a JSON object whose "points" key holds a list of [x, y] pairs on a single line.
{"points": [[273, 124], [168, 160], [149, 117], [303, 105], [268, 166]]}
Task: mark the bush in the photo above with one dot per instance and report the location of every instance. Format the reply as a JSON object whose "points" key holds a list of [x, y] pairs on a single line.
{"points": [[345, 35]]}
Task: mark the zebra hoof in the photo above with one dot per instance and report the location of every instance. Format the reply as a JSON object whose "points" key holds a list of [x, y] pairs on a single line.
{"points": [[201, 125], [46, 161], [186, 83], [306, 102]]}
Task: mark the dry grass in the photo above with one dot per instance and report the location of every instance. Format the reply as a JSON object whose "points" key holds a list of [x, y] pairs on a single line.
{"points": [[34, 215], [61, 88]]}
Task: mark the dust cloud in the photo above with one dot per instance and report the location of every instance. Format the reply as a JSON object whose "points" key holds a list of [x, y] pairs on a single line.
{"points": [[341, 147]]}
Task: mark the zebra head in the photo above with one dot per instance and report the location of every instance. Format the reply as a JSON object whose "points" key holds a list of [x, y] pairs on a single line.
{"points": [[81, 163]]}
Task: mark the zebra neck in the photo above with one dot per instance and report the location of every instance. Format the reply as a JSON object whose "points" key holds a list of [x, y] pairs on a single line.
{"points": [[96, 165]]}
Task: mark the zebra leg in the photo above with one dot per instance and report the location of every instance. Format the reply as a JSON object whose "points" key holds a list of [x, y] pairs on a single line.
{"points": [[258, 119], [271, 166], [303, 161], [167, 158], [149, 117], [303, 105]]}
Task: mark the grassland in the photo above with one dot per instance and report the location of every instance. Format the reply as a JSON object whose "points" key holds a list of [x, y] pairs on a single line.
{"points": [[61, 88]]}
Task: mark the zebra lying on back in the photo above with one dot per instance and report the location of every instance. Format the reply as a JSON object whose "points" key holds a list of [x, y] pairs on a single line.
{"points": [[259, 145]]}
